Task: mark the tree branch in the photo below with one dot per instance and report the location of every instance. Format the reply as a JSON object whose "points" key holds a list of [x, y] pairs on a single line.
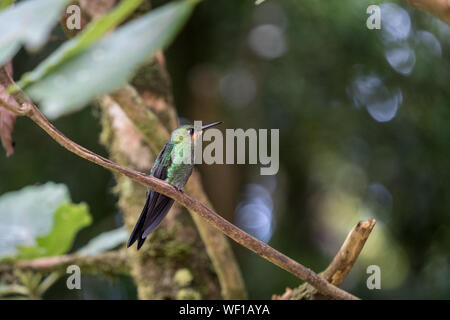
{"points": [[339, 267], [243, 238], [112, 262]]}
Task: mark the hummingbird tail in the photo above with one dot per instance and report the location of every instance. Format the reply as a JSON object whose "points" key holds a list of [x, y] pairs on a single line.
{"points": [[140, 243], [135, 235], [156, 208], [155, 216]]}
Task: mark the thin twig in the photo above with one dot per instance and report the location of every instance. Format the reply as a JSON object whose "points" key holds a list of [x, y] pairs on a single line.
{"points": [[213, 218], [349, 252]]}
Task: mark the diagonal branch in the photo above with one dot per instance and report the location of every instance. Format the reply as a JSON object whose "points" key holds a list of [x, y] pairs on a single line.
{"points": [[243, 238]]}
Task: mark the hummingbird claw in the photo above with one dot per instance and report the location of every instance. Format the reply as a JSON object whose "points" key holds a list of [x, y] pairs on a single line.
{"points": [[180, 189]]}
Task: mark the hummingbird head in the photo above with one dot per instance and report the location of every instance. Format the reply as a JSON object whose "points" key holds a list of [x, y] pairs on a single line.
{"points": [[187, 133]]}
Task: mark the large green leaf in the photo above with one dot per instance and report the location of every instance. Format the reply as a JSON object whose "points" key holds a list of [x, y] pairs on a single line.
{"points": [[93, 32], [33, 217], [67, 221], [108, 64], [105, 241], [28, 23], [28, 213]]}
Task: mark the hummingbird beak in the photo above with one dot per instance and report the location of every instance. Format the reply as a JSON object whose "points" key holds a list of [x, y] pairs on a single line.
{"points": [[211, 125], [202, 129]]}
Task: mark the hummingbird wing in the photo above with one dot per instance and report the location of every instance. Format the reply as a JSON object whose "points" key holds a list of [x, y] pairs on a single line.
{"points": [[157, 205]]}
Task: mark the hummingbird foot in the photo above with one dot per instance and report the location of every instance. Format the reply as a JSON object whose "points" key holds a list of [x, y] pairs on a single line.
{"points": [[179, 188]]}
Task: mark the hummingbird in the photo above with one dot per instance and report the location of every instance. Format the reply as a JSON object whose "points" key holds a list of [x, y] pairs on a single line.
{"points": [[174, 165]]}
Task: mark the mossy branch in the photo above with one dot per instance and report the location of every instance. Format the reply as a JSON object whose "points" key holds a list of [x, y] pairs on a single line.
{"points": [[112, 262]]}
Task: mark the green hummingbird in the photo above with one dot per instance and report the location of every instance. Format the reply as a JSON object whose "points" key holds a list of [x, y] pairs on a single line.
{"points": [[174, 165]]}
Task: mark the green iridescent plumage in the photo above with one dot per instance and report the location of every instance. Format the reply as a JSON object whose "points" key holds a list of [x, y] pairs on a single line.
{"points": [[174, 165]]}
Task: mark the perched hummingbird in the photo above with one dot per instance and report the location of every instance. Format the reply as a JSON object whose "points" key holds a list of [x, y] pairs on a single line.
{"points": [[170, 166]]}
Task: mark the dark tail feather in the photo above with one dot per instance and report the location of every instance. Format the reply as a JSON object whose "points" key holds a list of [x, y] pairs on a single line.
{"points": [[156, 208], [138, 228], [154, 219], [140, 242]]}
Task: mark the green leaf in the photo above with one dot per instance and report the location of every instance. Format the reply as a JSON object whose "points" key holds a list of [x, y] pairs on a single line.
{"points": [[68, 220], [28, 213], [28, 23], [105, 241], [92, 33], [39, 220], [108, 64]]}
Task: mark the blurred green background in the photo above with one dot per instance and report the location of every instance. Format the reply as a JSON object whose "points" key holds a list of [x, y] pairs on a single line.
{"points": [[364, 133]]}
